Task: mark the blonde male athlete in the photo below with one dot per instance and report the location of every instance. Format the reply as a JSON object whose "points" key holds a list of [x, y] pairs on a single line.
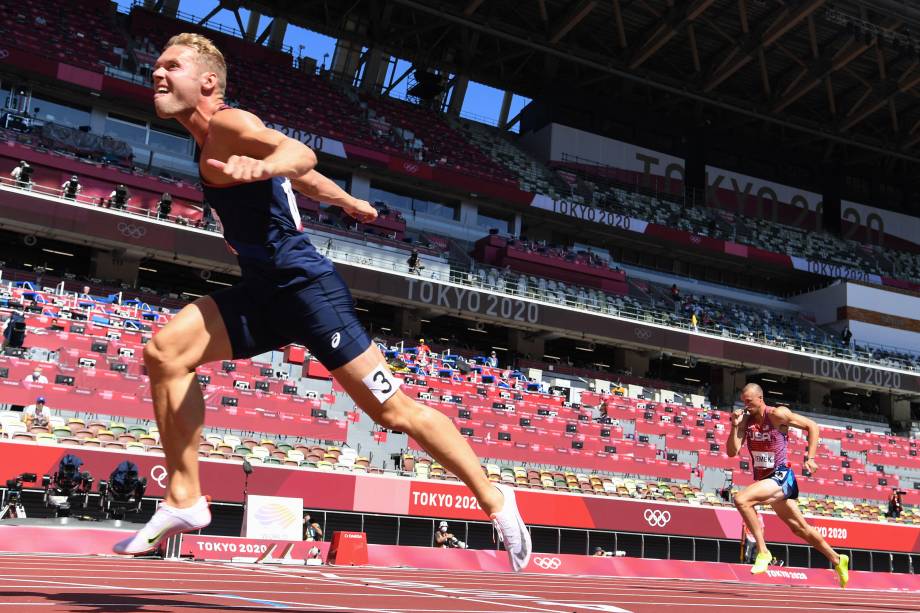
{"points": [[766, 430], [288, 293]]}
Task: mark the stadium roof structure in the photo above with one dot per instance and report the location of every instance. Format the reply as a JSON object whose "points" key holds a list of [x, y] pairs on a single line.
{"points": [[834, 74]]}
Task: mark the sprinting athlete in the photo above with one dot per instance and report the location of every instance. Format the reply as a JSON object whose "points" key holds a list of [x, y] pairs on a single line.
{"points": [[288, 293], [766, 430]]}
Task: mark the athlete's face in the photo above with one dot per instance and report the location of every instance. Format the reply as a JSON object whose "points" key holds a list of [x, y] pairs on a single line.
{"points": [[179, 81], [752, 400]]}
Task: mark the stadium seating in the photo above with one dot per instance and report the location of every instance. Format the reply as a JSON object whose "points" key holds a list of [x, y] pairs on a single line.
{"points": [[79, 33], [562, 445]]}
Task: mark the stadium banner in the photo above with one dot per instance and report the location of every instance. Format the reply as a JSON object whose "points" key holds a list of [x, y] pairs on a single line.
{"points": [[273, 517], [226, 548], [317, 142], [837, 271], [390, 495], [568, 147], [757, 198], [873, 226], [591, 214]]}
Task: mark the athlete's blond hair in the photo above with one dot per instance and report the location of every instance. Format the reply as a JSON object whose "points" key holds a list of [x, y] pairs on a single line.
{"points": [[209, 56]]}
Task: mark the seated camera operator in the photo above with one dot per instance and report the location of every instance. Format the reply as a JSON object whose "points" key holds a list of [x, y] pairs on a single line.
{"points": [[164, 206], [71, 188], [414, 263], [22, 175], [207, 221], [445, 539], [119, 197]]}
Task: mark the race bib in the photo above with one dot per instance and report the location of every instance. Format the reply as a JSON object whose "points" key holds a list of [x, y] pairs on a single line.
{"points": [[381, 383], [763, 459]]}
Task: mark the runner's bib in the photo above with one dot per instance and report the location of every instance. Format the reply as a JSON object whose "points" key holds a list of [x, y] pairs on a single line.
{"points": [[764, 459]]}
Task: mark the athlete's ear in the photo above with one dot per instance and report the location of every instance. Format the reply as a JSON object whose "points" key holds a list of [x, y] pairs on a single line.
{"points": [[209, 83]]}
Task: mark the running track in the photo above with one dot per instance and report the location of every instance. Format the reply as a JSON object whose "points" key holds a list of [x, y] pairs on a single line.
{"points": [[105, 585]]}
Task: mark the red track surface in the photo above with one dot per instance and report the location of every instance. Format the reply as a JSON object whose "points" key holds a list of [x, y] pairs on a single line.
{"points": [[104, 585]]}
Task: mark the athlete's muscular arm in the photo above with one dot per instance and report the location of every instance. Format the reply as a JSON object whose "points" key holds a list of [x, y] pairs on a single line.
{"points": [[242, 148], [783, 416], [323, 189], [736, 432]]}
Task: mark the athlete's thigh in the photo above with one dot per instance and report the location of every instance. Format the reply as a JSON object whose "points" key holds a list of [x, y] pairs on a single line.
{"points": [[369, 382], [322, 317], [195, 336], [765, 491]]}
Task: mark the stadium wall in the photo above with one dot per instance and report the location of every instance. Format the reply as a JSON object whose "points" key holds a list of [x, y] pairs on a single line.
{"points": [[874, 315], [398, 496]]}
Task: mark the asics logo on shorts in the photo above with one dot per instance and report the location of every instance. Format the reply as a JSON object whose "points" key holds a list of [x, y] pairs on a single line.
{"points": [[548, 563], [657, 518], [336, 339]]}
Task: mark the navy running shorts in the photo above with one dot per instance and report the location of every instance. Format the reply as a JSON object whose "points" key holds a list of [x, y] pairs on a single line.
{"points": [[320, 315], [786, 480]]}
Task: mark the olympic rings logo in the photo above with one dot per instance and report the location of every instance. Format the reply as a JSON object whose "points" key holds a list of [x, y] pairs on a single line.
{"points": [[130, 230], [158, 474], [643, 334], [657, 518], [548, 563]]}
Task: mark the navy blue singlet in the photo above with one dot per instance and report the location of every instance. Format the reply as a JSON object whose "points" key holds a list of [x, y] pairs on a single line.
{"points": [[262, 224], [290, 293]]}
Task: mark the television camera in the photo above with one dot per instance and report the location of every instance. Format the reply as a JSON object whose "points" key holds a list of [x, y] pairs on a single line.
{"points": [[68, 486], [122, 492], [12, 507]]}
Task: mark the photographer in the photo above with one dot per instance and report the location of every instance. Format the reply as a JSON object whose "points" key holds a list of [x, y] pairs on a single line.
{"points": [[207, 220], [895, 504], [119, 197], [71, 188], [415, 266], [22, 175], [164, 206], [445, 539], [311, 529]]}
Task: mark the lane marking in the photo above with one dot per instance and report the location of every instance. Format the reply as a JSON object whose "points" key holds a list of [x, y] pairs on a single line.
{"points": [[271, 603]]}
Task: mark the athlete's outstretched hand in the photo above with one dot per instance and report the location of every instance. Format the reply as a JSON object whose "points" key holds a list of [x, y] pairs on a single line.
{"points": [[361, 210], [812, 466], [243, 168]]}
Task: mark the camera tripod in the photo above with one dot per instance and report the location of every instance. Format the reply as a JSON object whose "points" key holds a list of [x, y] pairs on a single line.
{"points": [[12, 510]]}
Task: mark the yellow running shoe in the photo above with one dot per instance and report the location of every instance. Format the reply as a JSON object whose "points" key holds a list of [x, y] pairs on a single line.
{"points": [[761, 562], [843, 570]]}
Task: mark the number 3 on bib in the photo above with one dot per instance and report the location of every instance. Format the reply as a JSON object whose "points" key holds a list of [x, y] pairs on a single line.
{"points": [[381, 383]]}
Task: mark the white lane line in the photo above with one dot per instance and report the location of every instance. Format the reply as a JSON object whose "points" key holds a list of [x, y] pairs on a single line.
{"points": [[462, 597]]}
